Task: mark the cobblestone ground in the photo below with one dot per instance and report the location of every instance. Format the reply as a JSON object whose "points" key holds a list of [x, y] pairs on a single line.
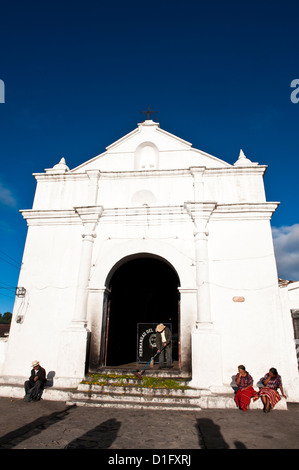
{"points": [[55, 425]]}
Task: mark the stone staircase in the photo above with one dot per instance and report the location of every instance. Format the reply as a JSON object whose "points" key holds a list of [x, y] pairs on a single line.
{"points": [[116, 389], [128, 392]]}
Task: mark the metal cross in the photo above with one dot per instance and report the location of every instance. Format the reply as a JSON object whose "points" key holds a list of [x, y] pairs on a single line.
{"points": [[148, 112]]}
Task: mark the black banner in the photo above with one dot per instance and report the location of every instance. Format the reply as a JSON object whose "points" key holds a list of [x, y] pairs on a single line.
{"points": [[146, 341]]}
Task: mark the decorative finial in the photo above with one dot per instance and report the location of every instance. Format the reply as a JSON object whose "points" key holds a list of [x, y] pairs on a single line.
{"points": [[243, 160], [61, 165]]}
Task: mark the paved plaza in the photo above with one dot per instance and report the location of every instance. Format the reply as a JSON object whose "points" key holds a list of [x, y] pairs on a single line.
{"points": [[56, 425]]}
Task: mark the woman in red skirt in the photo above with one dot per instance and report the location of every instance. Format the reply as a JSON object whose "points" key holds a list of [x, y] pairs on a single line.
{"points": [[245, 390], [269, 394]]}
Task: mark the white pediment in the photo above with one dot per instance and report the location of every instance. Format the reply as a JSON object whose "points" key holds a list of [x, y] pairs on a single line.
{"points": [[148, 147]]}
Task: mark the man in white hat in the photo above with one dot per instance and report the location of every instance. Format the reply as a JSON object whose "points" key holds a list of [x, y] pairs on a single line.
{"points": [[35, 385], [163, 340]]}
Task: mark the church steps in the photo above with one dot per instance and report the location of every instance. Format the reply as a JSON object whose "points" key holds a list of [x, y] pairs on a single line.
{"points": [[200, 400], [137, 395], [155, 396], [119, 396], [133, 381], [174, 373], [141, 399], [135, 405], [137, 389]]}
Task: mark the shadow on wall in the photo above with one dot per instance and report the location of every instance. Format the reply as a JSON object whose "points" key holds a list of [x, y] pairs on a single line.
{"points": [[50, 378]]}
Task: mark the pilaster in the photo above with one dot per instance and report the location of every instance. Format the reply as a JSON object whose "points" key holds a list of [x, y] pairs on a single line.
{"points": [[74, 340], [205, 340]]}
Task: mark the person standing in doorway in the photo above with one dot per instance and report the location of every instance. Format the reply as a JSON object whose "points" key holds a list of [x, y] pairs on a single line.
{"points": [[164, 345]]}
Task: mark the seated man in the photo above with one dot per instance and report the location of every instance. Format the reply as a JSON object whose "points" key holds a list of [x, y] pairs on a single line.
{"points": [[35, 385]]}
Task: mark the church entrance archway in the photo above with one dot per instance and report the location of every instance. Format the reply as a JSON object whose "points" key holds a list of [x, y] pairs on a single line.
{"points": [[143, 290]]}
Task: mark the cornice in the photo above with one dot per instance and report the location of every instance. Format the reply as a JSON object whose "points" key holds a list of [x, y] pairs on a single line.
{"points": [[244, 211], [155, 215], [51, 217], [191, 171], [240, 170]]}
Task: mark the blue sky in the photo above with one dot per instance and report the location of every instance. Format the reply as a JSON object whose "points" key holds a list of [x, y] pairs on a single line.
{"points": [[77, 75]]}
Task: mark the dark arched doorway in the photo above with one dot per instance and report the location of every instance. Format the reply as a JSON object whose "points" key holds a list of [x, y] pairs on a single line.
{"points": [[142, 290]]}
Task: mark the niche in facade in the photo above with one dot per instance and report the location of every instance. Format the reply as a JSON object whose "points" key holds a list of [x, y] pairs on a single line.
{"points": [[146, 156]]}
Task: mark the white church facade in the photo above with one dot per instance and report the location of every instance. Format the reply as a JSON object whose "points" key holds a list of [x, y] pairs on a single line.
{"points": [[150, 231]]}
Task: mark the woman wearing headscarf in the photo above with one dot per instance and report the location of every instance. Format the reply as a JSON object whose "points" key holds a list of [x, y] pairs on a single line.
{"points": [[268, 393], [245, 390]]}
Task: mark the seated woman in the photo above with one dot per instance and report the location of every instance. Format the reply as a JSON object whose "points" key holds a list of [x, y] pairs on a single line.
{"points": [[245, 390], [269, 394]]}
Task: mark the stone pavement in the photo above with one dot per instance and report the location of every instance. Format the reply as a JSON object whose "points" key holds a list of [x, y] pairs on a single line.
{"points": [[56, 425]]}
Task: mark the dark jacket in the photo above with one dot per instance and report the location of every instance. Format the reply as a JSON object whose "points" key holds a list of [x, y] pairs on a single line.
{"points": [[159, 343], [41, 374]]}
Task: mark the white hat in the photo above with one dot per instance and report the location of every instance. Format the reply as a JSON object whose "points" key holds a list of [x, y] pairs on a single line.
{"points": [[160, 328], [35, 363]]}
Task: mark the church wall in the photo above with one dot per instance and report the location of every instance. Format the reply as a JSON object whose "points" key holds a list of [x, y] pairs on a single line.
{"points": [[288, 343], [61, 192], [49, 274], [246, 310], [234, 185], [119, 189], [136, 190], [168, 160], [186, 159], [293, 295]]}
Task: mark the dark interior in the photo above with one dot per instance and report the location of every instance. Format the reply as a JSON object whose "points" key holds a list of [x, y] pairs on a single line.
{"points": [[143, 290]]}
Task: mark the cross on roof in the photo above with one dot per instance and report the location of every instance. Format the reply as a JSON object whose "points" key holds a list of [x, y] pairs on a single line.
{"points": [[148, 112]]}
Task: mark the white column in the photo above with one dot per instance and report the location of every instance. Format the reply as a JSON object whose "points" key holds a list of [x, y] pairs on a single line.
{"points": [[74, 340], [90, 217], [202, 279], [83, 279], [198, 182], [93, 187], [200, 214], [205, 340]]}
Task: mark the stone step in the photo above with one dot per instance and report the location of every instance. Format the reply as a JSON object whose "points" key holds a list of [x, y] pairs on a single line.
{"points": [[137, 389], [136, 397], [159, 373], [215, 401], [144, 382], [50, 393], [134, 405]]}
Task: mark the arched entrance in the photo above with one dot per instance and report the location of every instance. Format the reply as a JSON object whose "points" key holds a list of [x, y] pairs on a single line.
{"points": [[142, 290]]}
